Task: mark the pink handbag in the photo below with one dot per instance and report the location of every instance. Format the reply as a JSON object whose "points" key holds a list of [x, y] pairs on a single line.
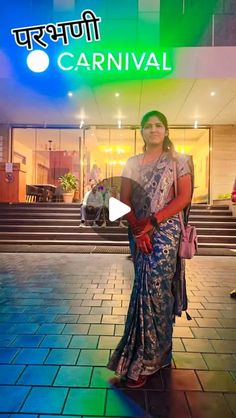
{"points": [[188, 244]]}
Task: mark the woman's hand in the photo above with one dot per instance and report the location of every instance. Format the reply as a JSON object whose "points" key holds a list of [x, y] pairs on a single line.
{"points": [[144, 244], [143, 227]]}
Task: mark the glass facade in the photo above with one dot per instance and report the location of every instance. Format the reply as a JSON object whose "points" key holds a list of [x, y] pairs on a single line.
{"points": [[98, 153]]}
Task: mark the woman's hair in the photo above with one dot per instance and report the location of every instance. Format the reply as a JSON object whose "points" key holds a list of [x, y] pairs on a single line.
{"points": [[167, 143]]}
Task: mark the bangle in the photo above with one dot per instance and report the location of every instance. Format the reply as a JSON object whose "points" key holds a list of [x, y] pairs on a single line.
{"points": [[154, 221]]}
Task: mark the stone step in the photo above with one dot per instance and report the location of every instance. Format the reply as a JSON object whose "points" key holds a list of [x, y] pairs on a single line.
{"points": [[101, 236], [95, 243], [58, 205], [77, 215], [76, 222], [108, 229]]}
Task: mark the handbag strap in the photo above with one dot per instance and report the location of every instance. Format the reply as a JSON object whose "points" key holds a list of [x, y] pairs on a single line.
{"points": [[176, 194]]}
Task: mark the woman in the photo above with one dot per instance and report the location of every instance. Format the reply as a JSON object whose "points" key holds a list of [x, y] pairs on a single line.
{"points": [[147, 187]]}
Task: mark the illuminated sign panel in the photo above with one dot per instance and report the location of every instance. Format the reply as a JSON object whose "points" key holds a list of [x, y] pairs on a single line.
{"points": [[84, 58]]}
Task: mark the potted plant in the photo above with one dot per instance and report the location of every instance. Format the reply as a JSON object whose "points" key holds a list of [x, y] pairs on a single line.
{"points": [[69, 184]]}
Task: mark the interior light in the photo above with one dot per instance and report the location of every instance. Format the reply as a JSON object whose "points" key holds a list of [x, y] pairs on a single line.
{"points": [[213, 93], [117, 94], [81, 124], [119, 123], [195, 124], [182, 151], [70, 94], [37, 61]]}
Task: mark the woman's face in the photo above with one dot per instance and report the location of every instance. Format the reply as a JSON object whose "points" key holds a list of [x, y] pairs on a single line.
{"points": [[154, 132]]}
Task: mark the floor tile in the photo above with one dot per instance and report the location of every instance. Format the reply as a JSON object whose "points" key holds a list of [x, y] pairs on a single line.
{"points": [[101, 329], [57, 309], [231, 401], [73, 376], [184, 332], [125, 403], [227, 323], [208, 405], [79, 310], [178, 345], [8, 354], [38, 375], [6, 340], [85, 402], [217, 381], [111, 303], [113, 319], [189, 361], [23, 328], [197, 345], [232, 372], [27, 341], [69, 307], [168, 404], [56, 341], [180, 380], [220, 361], [210, 313], [10, 373], [208, 322], [50, 328], [119, 311], [90, 319], [224, 346], [31, 356], [67, 319], [22, 416], [91, 303], [184, 322], [12, 398], [79, 329], [119, 330], [45, 400], [227, 334], [62, 356], [100, 377], [60, 416], [93, 357], [101, 310], [205, 333], [84, 341], [109, 342]]}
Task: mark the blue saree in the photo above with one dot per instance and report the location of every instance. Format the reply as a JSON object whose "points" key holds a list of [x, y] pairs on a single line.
{"points": [[147, 341]]}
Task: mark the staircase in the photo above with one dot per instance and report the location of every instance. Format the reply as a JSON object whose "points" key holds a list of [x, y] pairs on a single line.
{"points": [[58, 224]]}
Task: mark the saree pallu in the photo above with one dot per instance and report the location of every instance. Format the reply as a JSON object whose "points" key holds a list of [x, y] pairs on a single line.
{"points": [[147, 339]]}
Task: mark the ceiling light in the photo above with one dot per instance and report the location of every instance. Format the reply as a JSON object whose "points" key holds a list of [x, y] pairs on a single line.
{"points": [[70, 94], [195, 124], [119, 123], [117, 94], [213, 93]]}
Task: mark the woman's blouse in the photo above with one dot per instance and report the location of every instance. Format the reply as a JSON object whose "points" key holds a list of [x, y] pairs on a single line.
{"points": [[152, 183]]}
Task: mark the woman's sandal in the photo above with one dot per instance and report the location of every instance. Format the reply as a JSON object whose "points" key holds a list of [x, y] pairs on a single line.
{"points": [[133, 384]]}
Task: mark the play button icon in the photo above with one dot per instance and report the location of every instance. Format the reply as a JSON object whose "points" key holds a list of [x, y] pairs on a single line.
{"points": [[117, 209]]}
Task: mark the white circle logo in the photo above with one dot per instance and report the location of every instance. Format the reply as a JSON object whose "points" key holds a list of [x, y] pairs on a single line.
{"points": [[38, 61]]}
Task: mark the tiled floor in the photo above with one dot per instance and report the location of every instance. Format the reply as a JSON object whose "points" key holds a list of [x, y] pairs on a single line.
{"points": [[63, 314]]}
